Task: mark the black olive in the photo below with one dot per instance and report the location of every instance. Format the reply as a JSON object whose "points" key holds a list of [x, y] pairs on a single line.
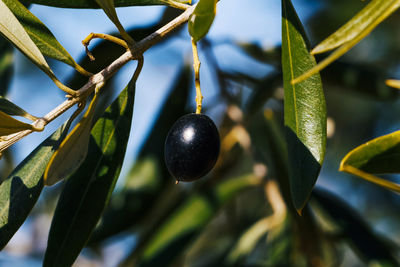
{"points": [[192, 147]]}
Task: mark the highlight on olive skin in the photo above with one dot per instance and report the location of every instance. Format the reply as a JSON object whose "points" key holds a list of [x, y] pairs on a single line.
{"points": [[191, 147]]}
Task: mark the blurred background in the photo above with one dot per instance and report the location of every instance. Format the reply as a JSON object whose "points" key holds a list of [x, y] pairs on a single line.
{"points": [[236, 216]]}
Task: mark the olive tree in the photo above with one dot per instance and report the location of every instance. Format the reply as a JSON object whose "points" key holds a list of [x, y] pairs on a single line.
{"points": [[246, 194]]}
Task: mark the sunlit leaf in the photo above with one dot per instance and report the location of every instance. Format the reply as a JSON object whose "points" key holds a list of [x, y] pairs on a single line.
{"points": [[189, 219], [202, 18], [149, 177], [39, 33], [92, 3], [20, 191], [362, 23], [9, 125], [88, 190], [378, 156], [73, 149], [11, 109], [12, 29], [304, 108], [351, 33]]}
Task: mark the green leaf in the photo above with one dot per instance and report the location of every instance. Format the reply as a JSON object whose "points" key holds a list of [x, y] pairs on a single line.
{"points": [[202, 18], [371, 247], [9, 125], [378, 156], [93, 4], [189, 219], [149, 178], [351, 33], [39, 33], [304, 108], [73, 149], [88, 190], [20, 191], [12, 29], [362, 23], [11, 109]]}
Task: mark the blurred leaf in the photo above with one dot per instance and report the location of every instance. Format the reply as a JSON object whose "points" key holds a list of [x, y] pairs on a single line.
{"points": [[368, 245], [9, 125], [263, 91], [305, 110], [271, 55], [10, 108], [20, 191], [148, 177], [88, 190], [380, 155], [6, 65], [12, 29], [393, 83], [93, 4], [202, 18], [73, 149], [351, 33], [39, 33], [189, 219], [362, 23]]}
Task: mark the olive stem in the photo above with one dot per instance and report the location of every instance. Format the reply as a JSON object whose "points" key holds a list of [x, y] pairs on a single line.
{"points": [[103, 75], [103, 36], [196, 66]]}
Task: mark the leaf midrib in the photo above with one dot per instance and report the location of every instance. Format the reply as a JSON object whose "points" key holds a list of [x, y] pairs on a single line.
{"points": [[291, 69]]}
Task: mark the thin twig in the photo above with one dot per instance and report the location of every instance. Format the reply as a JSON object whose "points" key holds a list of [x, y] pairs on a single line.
{"points": [[136, 53]]}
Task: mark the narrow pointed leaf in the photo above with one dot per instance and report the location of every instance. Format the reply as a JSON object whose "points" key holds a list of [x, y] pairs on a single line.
{"points": [[11, 109], [20, 191], [39, 33], [362, 23], [383, 11], [73, 149], [12, 29], [88, 190], [304, 109], [202, 18], [378, 156], [146, 186], [9, 125], [93, 4]]}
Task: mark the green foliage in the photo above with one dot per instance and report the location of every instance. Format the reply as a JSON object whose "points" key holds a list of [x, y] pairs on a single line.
{"points": [[92, 184], [305, 110], [39, 33], [20, 191], [253, 208], [12, 29], [202, 18]]}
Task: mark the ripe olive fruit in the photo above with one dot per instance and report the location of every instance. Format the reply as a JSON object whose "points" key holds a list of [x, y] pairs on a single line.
{"points": [[192, 147]]}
